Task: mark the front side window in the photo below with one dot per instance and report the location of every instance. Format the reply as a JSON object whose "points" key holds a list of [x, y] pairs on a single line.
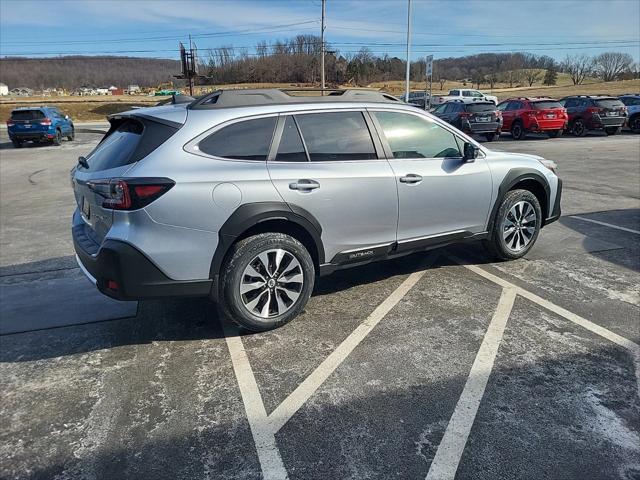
{"points": [[454, 93], [291, 148], [514, 106], [245, 140], [475, 93], [336, 136], [410, 136], [503, 106], [467, 94]]}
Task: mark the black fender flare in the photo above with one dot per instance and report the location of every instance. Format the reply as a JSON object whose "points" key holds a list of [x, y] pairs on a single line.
{"points": [[513, 177], [250, 214]]}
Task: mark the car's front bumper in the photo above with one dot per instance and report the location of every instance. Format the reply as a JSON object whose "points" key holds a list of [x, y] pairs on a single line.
{"points": [[556, 211], [121, 271]]}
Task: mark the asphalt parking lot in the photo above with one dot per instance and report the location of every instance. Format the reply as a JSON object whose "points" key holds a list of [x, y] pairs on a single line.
{"points": [[437, 365]]}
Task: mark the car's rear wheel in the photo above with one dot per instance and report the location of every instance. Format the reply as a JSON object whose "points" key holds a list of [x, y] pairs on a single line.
{"points": [[17, 143], [57, 140], [489, 136], [612, 130], [578, 128], [71, 137], [634, 124], [517, 131], [516, 225], [266, 281], [555, 133]]}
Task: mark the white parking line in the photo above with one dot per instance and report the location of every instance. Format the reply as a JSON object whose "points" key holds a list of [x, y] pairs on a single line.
{"points": [[605, 224], [449, 453], [263, 436], [301, 394], [632, 347]]}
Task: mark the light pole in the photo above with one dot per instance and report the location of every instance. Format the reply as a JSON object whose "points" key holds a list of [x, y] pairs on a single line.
{"points": [[408, 50]]}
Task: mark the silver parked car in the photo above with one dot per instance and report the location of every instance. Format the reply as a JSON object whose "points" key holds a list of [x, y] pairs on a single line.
{"points": [[245, 196]]}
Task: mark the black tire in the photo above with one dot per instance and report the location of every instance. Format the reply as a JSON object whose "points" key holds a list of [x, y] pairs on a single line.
{"points": [[72, 136], [245, 253], [57, 140], [578, 128], [489, 136], [555, 133], [517, 131], [634, 124], [612, 130], [17, 143], [496, 244]]}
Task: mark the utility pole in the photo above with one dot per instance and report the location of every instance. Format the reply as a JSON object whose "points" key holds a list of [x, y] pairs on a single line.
{"points": [[408, 50], [324, 2], [193, 60]]}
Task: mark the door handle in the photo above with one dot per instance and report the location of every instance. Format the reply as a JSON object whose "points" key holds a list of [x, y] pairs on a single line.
{"points": [[304, 185], [411, 178]]}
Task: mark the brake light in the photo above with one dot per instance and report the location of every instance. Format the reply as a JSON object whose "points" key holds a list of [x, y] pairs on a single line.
{"points": [[130, 194], [594, 110], [10, 123], [46, 122], [532, 113], [465, 114]]}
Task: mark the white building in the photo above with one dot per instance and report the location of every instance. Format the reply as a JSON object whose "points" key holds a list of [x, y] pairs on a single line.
{"points": [[4, 90]]}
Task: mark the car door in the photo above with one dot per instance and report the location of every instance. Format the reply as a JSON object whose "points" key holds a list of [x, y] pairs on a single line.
{"points": [[508, 114], [328, 164], [440, 195]]}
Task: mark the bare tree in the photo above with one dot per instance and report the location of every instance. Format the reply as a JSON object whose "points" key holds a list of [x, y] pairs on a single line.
{"points": [[578, 67], [610, 65]]}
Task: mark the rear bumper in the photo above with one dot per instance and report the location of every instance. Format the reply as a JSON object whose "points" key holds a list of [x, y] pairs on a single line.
{"points": [[31, 135], [482, 127], [121, 271], [598, 122]]}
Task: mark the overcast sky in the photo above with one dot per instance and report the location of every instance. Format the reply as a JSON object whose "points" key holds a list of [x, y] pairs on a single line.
{"points": [[444, 28]]}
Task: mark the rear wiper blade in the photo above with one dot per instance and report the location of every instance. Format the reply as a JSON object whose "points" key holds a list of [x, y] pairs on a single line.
{"points": [[82, 161]]}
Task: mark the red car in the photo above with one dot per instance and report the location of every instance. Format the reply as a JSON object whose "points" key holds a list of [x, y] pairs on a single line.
{"points": [[541, 115]]}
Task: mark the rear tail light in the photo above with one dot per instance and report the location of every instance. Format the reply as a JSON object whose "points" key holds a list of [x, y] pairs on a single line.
{"points": [[10, 123], [46, 122], [465, 115], [594, 110], [130, 194]]}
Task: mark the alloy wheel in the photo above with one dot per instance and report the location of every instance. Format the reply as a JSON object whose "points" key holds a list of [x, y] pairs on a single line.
{"points": [[519, 226], [271, 283]]}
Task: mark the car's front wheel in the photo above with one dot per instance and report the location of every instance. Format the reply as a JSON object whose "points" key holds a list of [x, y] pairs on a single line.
{"points": [[634, 124], [516, 225], [71, 137], [57, 140], [266, 281]]}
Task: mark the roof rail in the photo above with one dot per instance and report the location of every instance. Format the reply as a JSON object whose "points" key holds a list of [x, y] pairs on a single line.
{"points": [[272, 96]]}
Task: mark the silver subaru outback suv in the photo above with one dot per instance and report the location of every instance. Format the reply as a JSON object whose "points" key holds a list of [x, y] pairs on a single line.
{"points": [[245, 196]]}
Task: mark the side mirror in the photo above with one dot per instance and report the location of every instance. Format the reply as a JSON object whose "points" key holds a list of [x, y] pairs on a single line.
{"points": [[66, 117], [470, 152]]}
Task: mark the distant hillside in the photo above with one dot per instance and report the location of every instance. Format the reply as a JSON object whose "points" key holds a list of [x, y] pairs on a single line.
{"points": [[73, 72]]}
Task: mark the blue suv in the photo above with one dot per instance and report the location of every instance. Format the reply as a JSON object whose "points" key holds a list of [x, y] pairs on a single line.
{"points": [[40, 124], [632, 102]]}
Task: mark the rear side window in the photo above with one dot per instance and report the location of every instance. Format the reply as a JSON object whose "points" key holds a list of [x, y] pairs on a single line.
{"points": [[410, 136], [545, 105], [480, 107], [336, 136], [609, 103], [27, 115], [631, 101], [246, 140], [454, 93], [291, 148]]}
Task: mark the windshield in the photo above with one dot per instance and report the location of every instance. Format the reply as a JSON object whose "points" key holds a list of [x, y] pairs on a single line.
{"points": [[26, 115], [609, 103], [546, 105], [481, 107]]}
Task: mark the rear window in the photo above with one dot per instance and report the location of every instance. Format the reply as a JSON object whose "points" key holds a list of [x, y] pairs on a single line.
{"points": [[336, 136], [609, 103], [246, 140], [481, 107], [545, 105], [117, 148], [27, 115]]}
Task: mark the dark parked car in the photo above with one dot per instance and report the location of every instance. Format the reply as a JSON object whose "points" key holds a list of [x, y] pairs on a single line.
{"points": [[39, 124], [632, 102], [587, 112], [481, 118], [540, 115]]}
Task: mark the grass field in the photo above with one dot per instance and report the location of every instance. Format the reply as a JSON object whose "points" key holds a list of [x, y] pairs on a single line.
{"points": [[97, 108]]}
